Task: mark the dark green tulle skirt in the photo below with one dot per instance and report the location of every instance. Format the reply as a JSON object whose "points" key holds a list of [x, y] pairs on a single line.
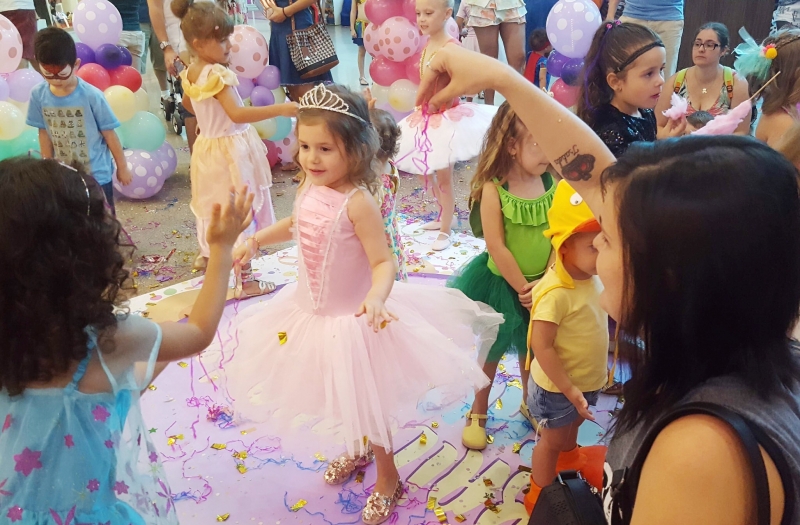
{"points": [[478, 283]]}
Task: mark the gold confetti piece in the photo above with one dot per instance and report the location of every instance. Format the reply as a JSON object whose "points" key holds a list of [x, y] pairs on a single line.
{"points": [[499, 404], [383, 324], [320, 457], [431, 503], [488, 482], [523, 468], [423, 439], [282, 337], [501, 367], [440, 515], [245, 432], [182, 364], [152, 387], [360, 476], [240, 455], [515, 383], [224, 517], [299, 505], [435, 424], [516, 448], [149, 304], [460, 518], [490, 439], [174, 232], [241, 468], [219, 446]]}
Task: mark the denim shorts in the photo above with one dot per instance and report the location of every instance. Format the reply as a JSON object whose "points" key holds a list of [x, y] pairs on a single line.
{"points": [[553, 409]]}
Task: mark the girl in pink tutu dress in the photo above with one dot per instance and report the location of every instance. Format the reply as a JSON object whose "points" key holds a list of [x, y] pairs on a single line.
{"points": [[370, 349], [229, 150], [432, 144]]}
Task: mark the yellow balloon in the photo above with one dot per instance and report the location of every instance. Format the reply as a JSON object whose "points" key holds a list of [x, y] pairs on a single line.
{"points": [[12, 121], [266, 128], [122, 102], [402, 95], [280, 95], [380, 93], [142, 100]]}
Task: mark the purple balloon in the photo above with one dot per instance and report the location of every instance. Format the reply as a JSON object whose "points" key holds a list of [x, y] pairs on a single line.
{"points": [[127, 58], [245, 87], [85, 53], [571, 72], [21, 82], [148, 175], [270, 78], [555, 63], [5, 90], [571, 25], [109, 56], [262, 96], [167, 158]]}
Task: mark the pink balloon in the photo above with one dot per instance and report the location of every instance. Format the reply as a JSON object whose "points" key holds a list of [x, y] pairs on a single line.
{"points": [[272, 153], [410, 10], [286, 147], [565, 94], [452, 28], [372, 40], [249, 52], [412, 67], [10, 46], [399, 39], [378, 11], [386, 72]]}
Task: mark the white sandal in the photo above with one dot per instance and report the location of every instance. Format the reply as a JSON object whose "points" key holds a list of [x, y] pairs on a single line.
{"points": [[441, 243]]}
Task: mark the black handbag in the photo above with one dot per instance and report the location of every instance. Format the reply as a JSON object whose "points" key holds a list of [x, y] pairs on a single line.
{"points": [[569, 500], [311, 48]]}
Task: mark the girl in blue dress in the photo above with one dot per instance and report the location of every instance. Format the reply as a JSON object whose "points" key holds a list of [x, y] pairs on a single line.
{"points": [[73, 446]]}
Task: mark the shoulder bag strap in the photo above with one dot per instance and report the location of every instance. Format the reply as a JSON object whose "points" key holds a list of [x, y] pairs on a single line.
{"points": [[744, 429], [679, 80], [727, 74], [292, 17]]}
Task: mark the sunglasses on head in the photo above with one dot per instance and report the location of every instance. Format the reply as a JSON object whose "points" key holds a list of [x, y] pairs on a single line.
{"points": [[56, 72]]}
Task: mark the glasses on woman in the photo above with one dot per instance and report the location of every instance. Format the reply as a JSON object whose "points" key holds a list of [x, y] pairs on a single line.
{"points": [[708, 46]]}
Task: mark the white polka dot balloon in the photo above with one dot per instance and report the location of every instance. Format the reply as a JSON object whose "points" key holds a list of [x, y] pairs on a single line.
{"points": [[147, 174], [571, 26], [97, 22], [10, 46], [249, 51], [167, 158]]}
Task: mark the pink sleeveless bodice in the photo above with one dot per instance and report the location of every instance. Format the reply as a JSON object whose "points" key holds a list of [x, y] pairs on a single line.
{"points": [[334, 274]]}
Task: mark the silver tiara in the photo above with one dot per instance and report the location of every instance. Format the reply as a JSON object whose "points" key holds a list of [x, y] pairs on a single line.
{"points": [[322, 98]]}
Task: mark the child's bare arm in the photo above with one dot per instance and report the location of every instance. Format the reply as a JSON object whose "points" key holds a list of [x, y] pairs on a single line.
{"points": [[276, 233], [494, 233], [45, 144], [244, 115], [115, 146]]}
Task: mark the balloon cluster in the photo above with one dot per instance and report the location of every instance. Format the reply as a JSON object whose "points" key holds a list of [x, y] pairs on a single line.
{"points": [[396, 44], [571, 26], [16, 138], [108, 67]]}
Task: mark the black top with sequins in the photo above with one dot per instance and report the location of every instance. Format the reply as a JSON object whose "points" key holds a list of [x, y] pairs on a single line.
{"points": [[619, 130]]}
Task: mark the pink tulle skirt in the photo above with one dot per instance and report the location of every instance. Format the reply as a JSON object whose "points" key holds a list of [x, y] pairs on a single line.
{"points": [[333, 381]]}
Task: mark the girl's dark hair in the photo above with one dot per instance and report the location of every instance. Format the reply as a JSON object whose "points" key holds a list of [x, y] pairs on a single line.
{"points": [[358, 138], [202, 20], [710, 233], [63, 269], [388, 133], [720, 29], [613, 45]]}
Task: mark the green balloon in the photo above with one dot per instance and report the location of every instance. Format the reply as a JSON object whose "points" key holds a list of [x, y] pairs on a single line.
{"points": [[27, 143], [143, 131]]}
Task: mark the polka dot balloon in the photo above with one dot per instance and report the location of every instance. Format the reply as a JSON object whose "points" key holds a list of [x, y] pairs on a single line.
{"points": [[286, 148], [97, 22], [571, 25], [168, 159], [10, 46], [249, 52], [147, 172], [372, 41], [398, 39]]}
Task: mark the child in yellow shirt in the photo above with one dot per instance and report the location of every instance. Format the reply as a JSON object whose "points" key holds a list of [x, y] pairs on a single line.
{"points": [[568, 337]]}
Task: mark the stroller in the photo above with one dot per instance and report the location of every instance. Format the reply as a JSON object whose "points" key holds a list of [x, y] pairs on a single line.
{"points": [[174, 111]]}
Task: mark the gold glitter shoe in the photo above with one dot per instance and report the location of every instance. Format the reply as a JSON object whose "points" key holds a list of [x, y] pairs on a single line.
{"points": [[379, 507], [342, 468]]}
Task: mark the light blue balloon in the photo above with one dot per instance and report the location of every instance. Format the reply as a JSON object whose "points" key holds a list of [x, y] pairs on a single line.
{"points": [[284, 127], [143, 131], [27, 143]]}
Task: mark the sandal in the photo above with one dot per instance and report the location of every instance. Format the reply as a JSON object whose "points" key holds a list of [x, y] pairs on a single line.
{"points": [[363, 81], [431, 226], [379, 507], [441, 243], [342, 468], [243, 276], [200, 263], [526, 413], [474, 435]]}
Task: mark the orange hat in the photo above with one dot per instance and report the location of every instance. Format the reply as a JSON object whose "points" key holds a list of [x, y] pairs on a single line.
{"points": [[568, 215]]}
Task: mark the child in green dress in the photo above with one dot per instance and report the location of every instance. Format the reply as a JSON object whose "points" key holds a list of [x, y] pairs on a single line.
{"points": [[512, 191]]}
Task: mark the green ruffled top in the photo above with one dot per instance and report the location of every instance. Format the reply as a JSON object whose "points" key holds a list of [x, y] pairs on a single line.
{"points": [[524, 222]]}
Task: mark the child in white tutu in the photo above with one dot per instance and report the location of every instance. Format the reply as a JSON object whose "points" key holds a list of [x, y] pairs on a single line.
{"points": [[370, 348], [431, 144]]}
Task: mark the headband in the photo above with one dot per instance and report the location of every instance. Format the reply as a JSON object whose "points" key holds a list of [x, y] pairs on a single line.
{"points": [[637, 54]]}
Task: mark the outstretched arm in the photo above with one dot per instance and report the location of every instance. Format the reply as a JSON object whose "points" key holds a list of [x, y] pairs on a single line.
{"points": [[242, 115], [570, 145]]}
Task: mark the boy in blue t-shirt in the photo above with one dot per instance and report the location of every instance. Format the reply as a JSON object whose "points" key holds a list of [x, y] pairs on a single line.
{"points": [[75, 122]]}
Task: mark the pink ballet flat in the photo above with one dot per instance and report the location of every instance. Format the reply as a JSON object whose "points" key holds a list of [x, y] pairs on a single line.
{"points": [[380, 507], [342, 468]]}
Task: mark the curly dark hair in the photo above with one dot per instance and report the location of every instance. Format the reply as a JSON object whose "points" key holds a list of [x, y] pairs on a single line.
{"points": [[388, 133], [63, 260]]}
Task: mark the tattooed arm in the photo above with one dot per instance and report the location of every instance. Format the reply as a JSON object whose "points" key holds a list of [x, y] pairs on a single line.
{"points": [[572, 147]]}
